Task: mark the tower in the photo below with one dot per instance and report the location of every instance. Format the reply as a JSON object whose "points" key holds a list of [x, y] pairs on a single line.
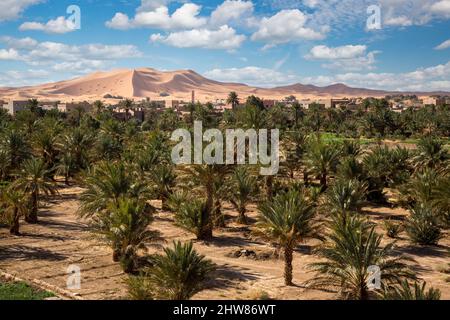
{"points": [[193, 96]]}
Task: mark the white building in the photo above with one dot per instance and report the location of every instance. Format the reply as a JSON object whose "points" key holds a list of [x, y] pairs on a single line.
{"points": [[15, 106]]}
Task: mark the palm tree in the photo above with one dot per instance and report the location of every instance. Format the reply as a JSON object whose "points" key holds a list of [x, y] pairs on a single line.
{"points": [[125, 228], [352, 248], [243, 187], [233, 99], [180, 273], [127, 105], [164, 179], [441, 199], [345, 196], [77, 143], [322, 159], [66, 167], [191, 216], [107, 183], [33, 181], [422, 226], [432, 154], [12, 207], [99, 106], [205, 176], [288, 219], [15, 145], [404, 291]]}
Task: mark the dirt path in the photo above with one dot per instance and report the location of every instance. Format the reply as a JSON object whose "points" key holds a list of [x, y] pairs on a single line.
{"points": [[46, 250]]}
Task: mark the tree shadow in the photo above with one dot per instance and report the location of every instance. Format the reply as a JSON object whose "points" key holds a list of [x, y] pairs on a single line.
{"points": [[226, 276], [24, 253]]}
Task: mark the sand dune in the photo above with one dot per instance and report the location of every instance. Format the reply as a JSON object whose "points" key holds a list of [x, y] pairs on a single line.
{"points": [[151, 83]]}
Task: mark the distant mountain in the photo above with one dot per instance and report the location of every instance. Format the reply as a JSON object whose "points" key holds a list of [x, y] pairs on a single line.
{"points": [[147, 82]]}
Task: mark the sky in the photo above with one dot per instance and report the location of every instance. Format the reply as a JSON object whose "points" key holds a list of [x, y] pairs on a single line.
{"points": [[378, 44]]}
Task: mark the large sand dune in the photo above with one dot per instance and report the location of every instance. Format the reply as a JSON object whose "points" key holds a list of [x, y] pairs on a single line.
{"points": [[151, 83]]}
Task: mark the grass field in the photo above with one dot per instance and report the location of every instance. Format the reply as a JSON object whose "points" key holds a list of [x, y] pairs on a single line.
{"points": [[21, 291]]}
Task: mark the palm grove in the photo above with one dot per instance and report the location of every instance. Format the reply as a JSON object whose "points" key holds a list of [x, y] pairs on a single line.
{"points": [[334, 163]]}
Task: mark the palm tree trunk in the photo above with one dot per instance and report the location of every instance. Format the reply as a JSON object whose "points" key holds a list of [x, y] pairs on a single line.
{"points": [[288, 256], [218, 214], [242, 218], [206, 229], [323, 181], [269, 187], [32, 216], [14, 229]]}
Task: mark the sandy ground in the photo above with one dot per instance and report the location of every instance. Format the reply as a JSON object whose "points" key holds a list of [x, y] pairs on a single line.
{"points": [[45, 251]]}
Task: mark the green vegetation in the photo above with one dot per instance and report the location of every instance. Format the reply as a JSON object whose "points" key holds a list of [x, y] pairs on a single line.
{"points": [[334, 163], [21, 291]]}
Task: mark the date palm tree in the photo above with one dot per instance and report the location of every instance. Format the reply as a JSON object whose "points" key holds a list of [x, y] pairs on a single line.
{"points": [[33, 180], [13, 143], [352, 248], [288, 219], [107, 183], [243, 186], [233, 99], [345, 196], [322, 159], [204, 177], [179, 273], [164, 178], [125, 228], [77, 143], [406, 291], [12, 207], [432, 154]]}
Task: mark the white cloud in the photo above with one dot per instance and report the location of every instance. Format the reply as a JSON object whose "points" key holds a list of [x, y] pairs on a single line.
{"points": [[23, 43], [12, 9], [254, 76], [223, 38], [231, 10], [349, 57], [444, 45], [9, 54], [284, 27], [343, 52], [59, 25], [441, 7], [64, 58], [185, 17], [22, 78], [433, 78], [344, 14]]}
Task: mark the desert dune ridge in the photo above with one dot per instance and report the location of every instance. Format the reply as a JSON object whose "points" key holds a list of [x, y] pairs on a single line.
{"points": [[175, 85]]}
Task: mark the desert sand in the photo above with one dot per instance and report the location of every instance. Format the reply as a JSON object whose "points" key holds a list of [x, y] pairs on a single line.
{"points": [[151, 83]]}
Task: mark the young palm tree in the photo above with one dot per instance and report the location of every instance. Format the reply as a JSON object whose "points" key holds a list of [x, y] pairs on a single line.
{"points": [[345, 196], [192, 216], [108, 182], [164, 179], [422, 225], [180, 273], [351, 249], [33, 181], [125, 228], [12, 207], [243, 187], [288, 219], [404, 291], [233, 99], [432, 154], [322, 159], [66, 167]]}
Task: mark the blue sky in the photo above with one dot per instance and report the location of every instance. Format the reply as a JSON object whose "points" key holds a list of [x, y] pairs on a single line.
{"points": [[259, 42]]}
